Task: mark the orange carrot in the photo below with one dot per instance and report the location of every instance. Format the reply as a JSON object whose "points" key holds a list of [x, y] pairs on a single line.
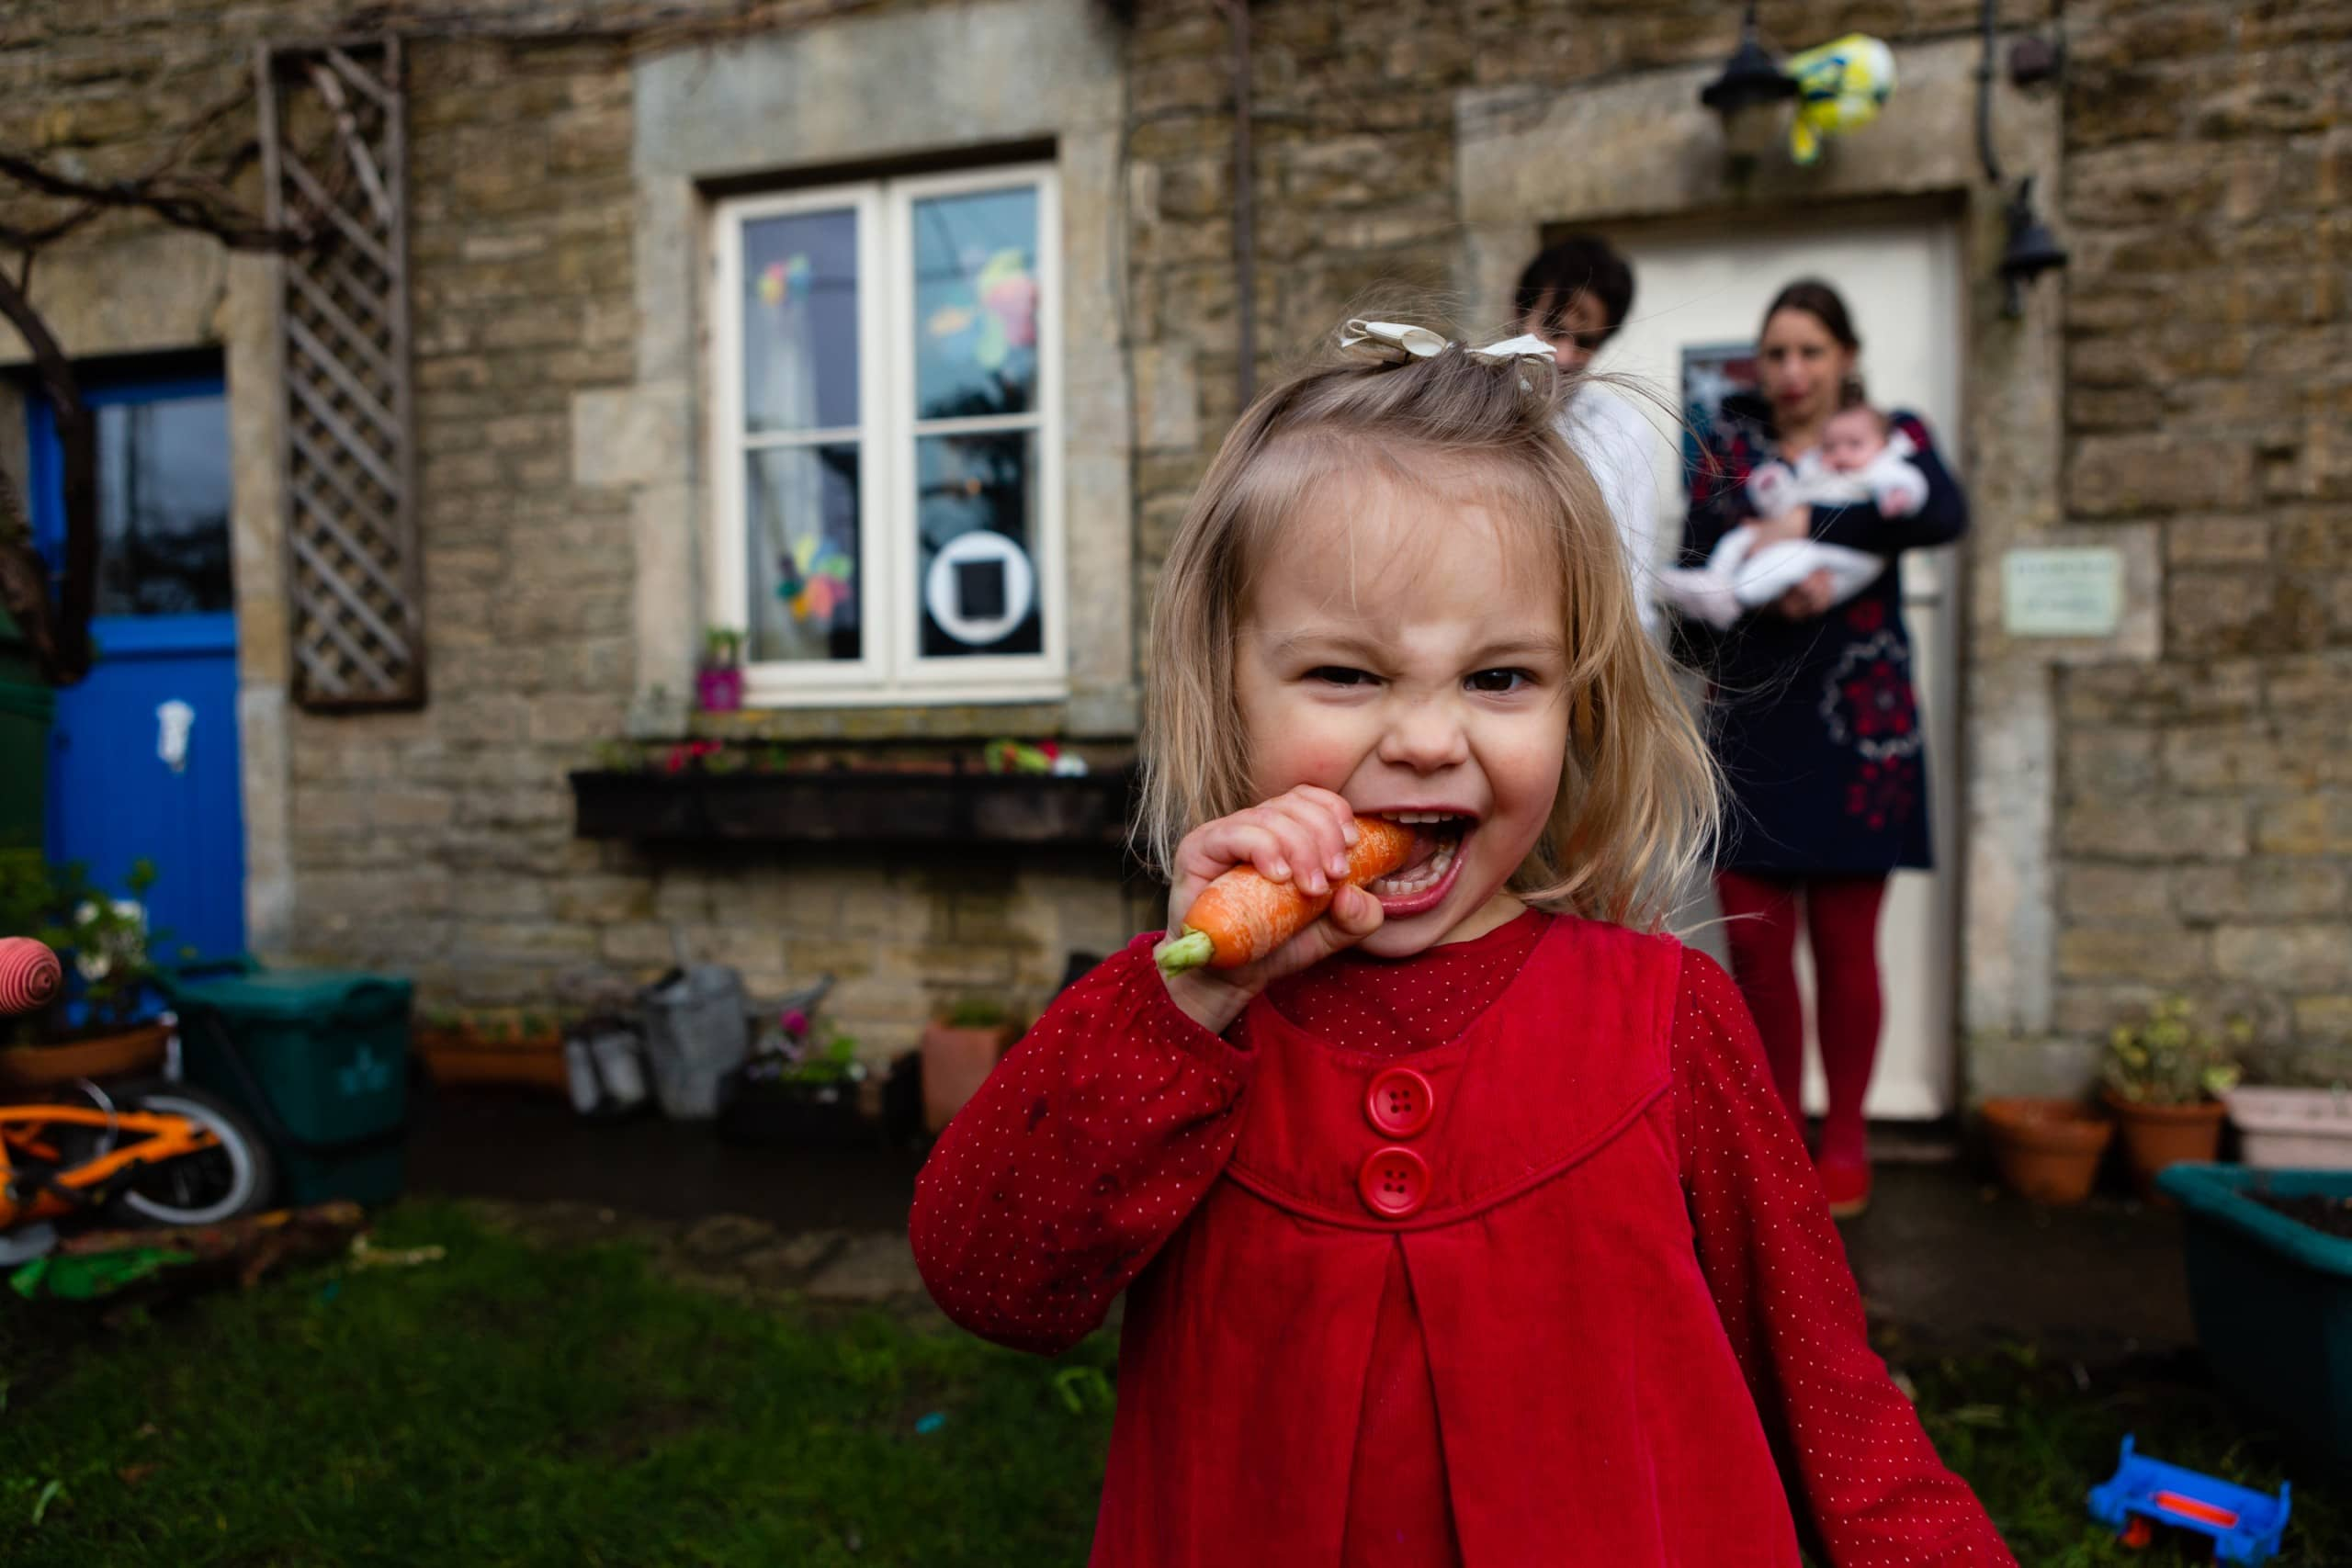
{"points": [[1243, 916]]}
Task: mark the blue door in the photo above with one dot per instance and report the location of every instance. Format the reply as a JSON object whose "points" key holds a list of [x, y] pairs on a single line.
{"points": [[143, 761]]}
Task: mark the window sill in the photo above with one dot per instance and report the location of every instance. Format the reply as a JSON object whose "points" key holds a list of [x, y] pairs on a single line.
{"points": [[856, 807], [1106, 714], [944, 722]]}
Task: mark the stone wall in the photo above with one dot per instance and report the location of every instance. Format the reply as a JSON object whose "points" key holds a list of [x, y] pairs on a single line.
{"points": [[439, 843], [2202, 810], [2205, 810]]}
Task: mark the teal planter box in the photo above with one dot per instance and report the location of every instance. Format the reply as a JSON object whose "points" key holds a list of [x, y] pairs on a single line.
{"points": [[2272, 1297], [318, 1060]]}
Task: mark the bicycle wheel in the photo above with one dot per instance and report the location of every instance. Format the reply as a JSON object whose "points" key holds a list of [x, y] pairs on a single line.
{"points": [[205, 1188]]}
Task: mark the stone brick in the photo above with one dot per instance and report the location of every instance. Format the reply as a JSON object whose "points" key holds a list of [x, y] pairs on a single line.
{"points": [[639, 945], [2218, 541], [2124, 694], [2296, 957], [2095, 953], [601, 901], [2316, 825], [2118, 476], [2103, 763], [2325, 1019], [525, 939], [2116, 895], [567, 720], [411, 808], [2160, 830], [2264, 889], [2236, 758]]}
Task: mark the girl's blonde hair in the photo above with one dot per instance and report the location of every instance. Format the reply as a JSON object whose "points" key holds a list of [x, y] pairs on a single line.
{"points": [[1638, 793]]}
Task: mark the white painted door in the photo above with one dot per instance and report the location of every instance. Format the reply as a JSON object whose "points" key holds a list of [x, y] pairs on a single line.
{"points": [[1901, 280]]}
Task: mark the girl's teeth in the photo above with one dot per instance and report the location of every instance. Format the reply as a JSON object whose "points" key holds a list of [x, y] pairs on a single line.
{"points": [[1400, 886]]}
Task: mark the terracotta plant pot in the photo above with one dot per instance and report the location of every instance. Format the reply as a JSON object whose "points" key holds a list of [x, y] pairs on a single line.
{"points": [[459, 1055], [956, 1062], [127, 1054], [2157, 1135], [2048, 1150]]}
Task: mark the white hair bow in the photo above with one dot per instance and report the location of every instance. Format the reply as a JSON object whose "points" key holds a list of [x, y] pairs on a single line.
{"points": [[1394, 343]]}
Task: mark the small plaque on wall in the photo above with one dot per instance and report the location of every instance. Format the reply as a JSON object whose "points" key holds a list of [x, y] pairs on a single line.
{"points": [[2075, 592]]}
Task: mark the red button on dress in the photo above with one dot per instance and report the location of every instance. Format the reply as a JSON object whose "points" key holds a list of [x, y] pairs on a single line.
{"points": [[1394, 1182], [1399, 1102]]}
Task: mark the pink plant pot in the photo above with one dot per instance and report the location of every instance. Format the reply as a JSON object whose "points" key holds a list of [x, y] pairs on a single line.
{"points": [[718, 691]]}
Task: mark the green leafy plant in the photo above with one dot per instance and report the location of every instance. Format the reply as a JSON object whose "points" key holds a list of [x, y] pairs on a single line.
{"points": [[621, 757], [2170, 1058], [104, 941], [978, 1012], [836, 1063], [722, 647]]}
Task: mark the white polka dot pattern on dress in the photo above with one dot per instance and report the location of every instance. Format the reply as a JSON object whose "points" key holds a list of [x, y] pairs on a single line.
{"points": [[1871, 1482], [1107, 1126]]}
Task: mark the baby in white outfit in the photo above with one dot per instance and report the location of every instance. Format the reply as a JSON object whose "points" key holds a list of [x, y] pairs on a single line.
{"points": [[1861, 459]]}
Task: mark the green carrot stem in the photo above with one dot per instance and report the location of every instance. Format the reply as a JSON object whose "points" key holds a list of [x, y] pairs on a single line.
{"points": [[1178, 954]]}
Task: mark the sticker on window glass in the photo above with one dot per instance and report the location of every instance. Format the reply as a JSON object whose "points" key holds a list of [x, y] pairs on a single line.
{"points": [[980, 587], [977, 296]]}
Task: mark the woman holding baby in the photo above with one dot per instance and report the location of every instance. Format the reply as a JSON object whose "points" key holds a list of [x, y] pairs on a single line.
{"points": [[1802, 503]]}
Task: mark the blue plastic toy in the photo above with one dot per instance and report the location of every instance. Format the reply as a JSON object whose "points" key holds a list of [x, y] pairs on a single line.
{"points": [[2143, 1492]]}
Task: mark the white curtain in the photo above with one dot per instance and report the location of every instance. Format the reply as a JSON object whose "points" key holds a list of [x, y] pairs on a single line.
{"points": [[783, 513]]}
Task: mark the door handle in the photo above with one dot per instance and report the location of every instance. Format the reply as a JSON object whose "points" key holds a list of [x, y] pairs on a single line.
{"points": [[173, 720]]}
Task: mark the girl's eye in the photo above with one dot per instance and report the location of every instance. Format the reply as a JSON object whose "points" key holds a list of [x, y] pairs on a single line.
{"points": [[1497, 680], [1338, 675]]}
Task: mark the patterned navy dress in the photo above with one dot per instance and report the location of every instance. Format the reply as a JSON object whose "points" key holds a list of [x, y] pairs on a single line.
{"points": [[1815, 722]]}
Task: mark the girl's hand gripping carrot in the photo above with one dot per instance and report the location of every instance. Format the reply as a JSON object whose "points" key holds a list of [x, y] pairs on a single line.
{"points": [[1245, 915], [1301, 849], [1287, 860]]}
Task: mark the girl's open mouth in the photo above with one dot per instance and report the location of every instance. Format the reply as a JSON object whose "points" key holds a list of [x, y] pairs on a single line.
{"points": [[1428, 873]]}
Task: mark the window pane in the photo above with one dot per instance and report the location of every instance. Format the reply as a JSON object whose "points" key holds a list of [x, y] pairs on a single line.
{"points": [[800, 322], [976, 304], [164, 507], [803, 574], [977, 520]]}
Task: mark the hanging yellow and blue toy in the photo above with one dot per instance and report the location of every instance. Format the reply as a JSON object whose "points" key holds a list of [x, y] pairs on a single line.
{"points": [[1841, 86]]}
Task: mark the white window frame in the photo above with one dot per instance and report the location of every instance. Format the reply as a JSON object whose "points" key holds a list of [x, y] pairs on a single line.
{"points": [[890, 669]]}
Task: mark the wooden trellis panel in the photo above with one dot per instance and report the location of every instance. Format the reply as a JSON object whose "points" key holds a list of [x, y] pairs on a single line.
{"points": [[334, 156]]}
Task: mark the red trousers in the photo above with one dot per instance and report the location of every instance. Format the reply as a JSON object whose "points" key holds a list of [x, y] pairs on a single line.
{"points": [[1840, 917]]}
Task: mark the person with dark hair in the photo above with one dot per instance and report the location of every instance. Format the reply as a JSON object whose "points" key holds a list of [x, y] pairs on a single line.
{"points": [[1574, 295], [1814, 720]]}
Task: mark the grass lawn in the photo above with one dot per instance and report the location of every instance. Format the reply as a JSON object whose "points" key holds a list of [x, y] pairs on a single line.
{"points": [[514, 1405]]}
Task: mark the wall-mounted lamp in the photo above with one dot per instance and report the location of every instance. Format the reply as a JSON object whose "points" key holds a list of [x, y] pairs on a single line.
{"points": [[2032, 250], [1749, 95]]}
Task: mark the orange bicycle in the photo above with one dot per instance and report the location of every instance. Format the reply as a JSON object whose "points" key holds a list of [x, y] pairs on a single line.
{"points": [[154, 1152]]}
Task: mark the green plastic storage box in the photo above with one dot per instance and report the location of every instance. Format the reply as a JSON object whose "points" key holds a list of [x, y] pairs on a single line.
{"points": [[319, 1059], [26, 706], [2272, 1297]]}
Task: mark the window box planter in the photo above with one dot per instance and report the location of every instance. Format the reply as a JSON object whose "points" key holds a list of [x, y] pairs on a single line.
{"points": [[853, 806], [2309, 1129], [2272, 1295], [758, 1106], [469, 1051], [134, 1051]]}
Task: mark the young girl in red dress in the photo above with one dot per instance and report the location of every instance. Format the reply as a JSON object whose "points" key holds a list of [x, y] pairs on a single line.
{"points": [[1466, 1227]]}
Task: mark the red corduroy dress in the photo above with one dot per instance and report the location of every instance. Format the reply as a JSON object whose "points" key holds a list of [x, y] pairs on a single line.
{"points": [[1444, 1306]]}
